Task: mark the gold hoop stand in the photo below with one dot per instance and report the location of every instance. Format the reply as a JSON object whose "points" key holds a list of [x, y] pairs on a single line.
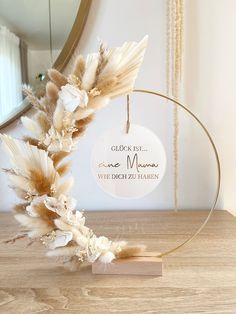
{"points": [[150, 263]]}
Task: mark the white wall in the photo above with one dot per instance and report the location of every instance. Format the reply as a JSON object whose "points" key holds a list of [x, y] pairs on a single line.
{"points": [[210, 67], [117, 21]]}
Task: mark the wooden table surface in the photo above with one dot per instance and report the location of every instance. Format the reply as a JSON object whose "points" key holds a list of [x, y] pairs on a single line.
{"points": [[199, 278]]}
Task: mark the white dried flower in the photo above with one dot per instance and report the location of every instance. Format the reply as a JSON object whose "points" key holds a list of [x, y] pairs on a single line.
{"points": [[107, 257], [64, 206], [32, 208], [72, 97], [55, 141], [76, 218], [57, 239], [60, 205], [97, 246], [103, 243]]}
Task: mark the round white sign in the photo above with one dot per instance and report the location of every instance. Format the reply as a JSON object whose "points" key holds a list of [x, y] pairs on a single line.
{"points": [[128, 165]]}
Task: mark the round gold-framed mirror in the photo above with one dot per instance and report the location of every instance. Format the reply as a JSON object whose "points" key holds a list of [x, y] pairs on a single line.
{"points": [[48, 39]]}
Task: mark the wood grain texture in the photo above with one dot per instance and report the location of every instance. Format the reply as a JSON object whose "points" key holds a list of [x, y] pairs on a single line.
{"points": [[199, 278]]}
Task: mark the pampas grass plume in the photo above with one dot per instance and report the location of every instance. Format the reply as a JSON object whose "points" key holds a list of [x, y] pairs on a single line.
{"points": [[58, 78], [52, 91], [129, 251]]}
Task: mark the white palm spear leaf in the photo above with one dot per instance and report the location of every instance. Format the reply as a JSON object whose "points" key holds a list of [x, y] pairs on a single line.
{"points": [[26, 157], [122, 67], [29, 163], [90, 72], [111, 74]]}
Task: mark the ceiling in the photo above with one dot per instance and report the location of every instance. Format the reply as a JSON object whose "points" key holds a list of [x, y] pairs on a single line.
{"points": [[29, 19]]}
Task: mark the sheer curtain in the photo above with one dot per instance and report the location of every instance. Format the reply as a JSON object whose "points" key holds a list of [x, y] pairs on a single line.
{"points": [[10, 72]]}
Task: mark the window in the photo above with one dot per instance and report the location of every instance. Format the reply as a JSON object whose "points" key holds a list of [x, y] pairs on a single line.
{"points": [[10, 72]]}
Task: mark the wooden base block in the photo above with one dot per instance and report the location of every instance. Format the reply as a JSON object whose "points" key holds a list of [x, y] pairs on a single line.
{"points": [[147, 264]]}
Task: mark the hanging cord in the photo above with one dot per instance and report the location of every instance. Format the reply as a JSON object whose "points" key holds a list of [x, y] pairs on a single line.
{"points": [[128, 115], [50, 30]]}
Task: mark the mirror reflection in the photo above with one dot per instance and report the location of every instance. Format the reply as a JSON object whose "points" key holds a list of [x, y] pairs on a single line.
{"points": [[32, 35]]}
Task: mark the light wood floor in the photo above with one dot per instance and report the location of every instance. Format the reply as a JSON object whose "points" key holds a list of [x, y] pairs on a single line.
{"points": [[200, 278]]}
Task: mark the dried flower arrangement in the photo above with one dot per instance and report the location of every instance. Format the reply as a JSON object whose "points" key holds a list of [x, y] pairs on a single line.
{"points": [[48, 213]]}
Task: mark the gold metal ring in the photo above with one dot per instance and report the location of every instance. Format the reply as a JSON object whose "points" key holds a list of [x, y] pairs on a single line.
{"points": [[178, 104]]}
